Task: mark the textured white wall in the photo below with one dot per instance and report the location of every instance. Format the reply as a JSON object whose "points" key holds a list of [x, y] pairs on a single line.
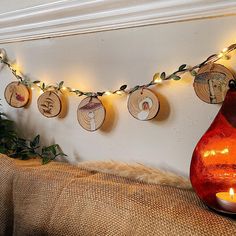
{"points": [[106, 60], [13, 5]]}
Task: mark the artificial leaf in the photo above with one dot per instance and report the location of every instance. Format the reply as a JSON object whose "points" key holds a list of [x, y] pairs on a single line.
{"points": [[123, 87], [35, 142], [182, 67], [100, 93], [61, 84], [36, 81], [88, 94], [176, 77], [135, 88], [156, 76], [193, 72], [163, 75]]}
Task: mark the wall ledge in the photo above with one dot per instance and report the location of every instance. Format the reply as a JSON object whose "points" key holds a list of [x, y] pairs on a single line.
{"points": [[70, 17]]}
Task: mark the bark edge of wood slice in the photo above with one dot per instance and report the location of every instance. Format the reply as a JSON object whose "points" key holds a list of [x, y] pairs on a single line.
{"points": [[211, 83], [91, 114], [49, 104], [143, 104], [17, 94]]}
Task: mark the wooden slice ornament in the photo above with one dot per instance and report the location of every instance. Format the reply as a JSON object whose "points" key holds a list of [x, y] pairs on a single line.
{"points": [[49, 104], [17, 94], [143, 104], [211, 83], [91, 113]]}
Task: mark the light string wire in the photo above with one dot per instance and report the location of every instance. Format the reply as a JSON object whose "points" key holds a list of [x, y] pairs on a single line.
{"points": [[157, 78]]}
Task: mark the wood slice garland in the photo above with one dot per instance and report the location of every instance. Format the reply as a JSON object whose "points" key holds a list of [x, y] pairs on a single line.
{"points": [[143, 104], [17, 94], [49, 104], [91, 113], [211, 83]]}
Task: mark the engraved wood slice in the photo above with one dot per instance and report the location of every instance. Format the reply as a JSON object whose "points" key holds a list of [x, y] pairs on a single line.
{"points": [[16, 94], [211, 83], [143, 104], [91, 113], [49, 104]]}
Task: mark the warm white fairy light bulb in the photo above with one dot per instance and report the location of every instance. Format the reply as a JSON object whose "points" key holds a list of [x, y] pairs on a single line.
{"points": [[158, 81], [108, 93], [225, 50], [220, 55], [119, 92]]}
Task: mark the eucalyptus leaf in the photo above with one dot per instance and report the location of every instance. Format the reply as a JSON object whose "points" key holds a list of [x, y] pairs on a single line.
{"points": [[88, 94], [156, 76], [36, 81], [61, 84], [193, 72], [123, 87], [100, 93], [135, 88], [163, 76], [176, 77], [182, 67]]}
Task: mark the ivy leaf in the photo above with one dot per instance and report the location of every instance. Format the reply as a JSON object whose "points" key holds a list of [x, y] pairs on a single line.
{"points": [[35, 142], [123, 87], [182, 67], [163, 76], [45, 160]]}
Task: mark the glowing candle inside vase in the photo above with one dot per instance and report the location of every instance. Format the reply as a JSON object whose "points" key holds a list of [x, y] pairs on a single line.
{"points": [[227, 200]]}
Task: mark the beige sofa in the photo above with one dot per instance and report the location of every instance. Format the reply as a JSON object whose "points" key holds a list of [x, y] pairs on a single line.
{"points": [[60, 199]]}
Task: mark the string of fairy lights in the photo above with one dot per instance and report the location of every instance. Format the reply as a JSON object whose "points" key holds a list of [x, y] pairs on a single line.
{"points": [[123, 89], [211, 81]]}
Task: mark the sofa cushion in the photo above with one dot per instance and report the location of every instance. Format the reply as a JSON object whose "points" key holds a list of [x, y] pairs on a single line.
{"points": [[6, 205], [60, 199]]}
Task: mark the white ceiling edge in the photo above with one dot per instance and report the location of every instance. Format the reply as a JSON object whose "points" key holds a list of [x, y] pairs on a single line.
{"points": [[69, 17]]}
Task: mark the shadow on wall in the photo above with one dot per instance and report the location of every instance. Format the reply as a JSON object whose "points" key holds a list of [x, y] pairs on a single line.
{"points": [[164, 111], [26, 128], [65, 106], [111, 116]]}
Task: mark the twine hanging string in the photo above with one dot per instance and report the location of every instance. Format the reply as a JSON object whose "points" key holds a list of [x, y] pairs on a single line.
{"points": [[157, 78]]}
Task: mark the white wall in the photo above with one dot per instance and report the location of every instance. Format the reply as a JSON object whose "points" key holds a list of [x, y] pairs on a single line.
{"points": [[106, 60], [14, 5]]}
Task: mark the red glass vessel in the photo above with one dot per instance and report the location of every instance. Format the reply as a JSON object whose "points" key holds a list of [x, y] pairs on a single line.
{"points": [[213, 165]]}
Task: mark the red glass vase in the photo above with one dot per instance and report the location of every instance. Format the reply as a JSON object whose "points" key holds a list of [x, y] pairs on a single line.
{"points": [[213, 165]]}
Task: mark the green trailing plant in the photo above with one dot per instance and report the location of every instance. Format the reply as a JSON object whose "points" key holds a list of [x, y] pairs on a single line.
{"points": [[15, 146]]}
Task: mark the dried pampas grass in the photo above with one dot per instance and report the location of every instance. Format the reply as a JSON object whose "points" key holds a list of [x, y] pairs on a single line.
{"points": [[138, 172]]}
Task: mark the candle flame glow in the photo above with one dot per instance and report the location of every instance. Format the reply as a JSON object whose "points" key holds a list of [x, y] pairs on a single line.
{"points": [[231, 192]]}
